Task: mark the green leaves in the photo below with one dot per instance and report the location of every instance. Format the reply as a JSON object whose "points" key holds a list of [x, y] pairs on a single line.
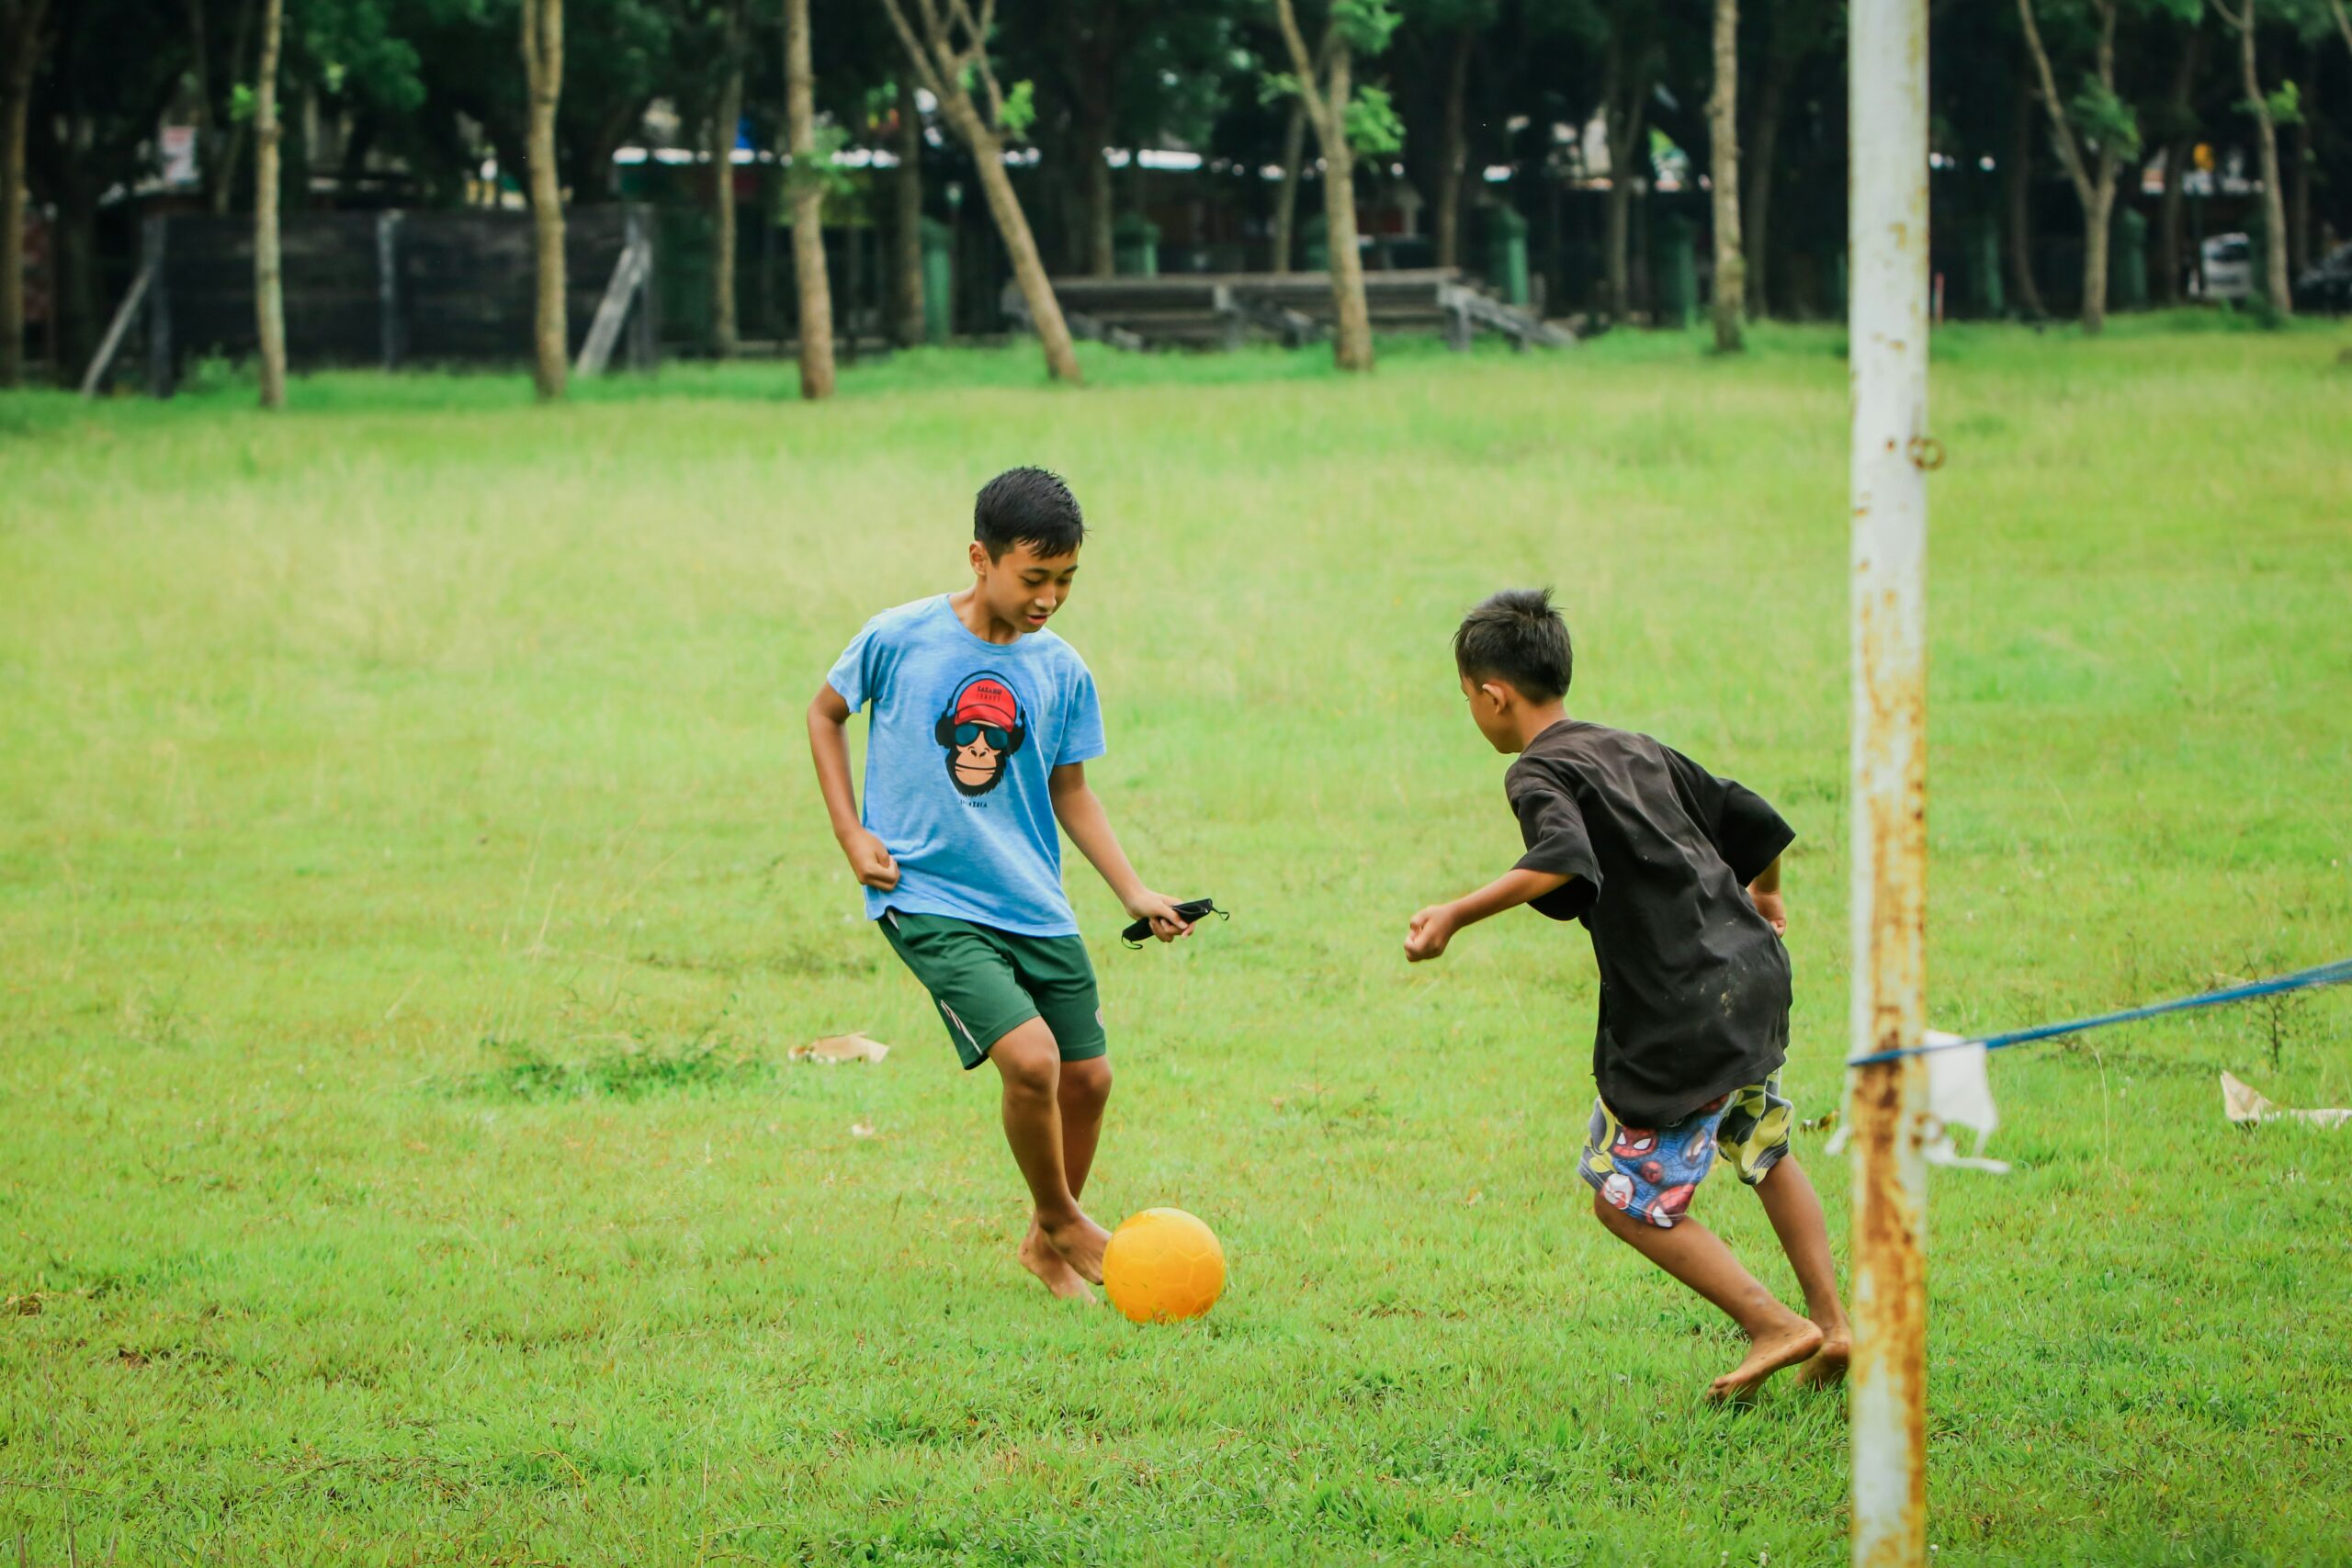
{"points": [[2105, 119], [2285, 104], [821, 167], [1373, 124], [1367, 24], [1020, 110]]}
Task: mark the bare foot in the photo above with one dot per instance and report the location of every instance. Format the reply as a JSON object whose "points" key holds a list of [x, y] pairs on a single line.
{"points": [[1080, 1241], [1784, 1346], [1037, 1256], [1827, 1368]]}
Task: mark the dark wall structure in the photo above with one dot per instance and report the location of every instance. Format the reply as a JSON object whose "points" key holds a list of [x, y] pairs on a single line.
{"points": [[382, 289]]}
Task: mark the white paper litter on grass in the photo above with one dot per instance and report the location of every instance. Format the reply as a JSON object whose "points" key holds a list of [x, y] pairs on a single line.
{"points": [[2246, 1106], [1959, 1095], [835, 1049]]}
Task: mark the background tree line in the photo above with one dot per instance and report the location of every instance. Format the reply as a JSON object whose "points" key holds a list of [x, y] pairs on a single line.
{"points": [[1357, 97]]}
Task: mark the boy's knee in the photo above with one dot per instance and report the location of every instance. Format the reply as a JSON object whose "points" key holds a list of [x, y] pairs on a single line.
{"points": [[1028, 1060], [1087, 1083]]}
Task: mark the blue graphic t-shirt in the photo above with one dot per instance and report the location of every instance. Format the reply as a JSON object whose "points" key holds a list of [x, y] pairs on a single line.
{"points": [[962, 739]]}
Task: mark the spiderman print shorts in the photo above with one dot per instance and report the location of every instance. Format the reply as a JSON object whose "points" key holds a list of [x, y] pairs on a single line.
{"points": [[1651, 1173]]}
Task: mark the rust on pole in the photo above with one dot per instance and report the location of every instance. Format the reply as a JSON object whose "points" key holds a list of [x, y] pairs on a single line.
{"points": [[1887, 236]]}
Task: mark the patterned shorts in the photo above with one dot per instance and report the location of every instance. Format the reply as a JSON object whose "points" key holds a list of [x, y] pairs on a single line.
{"points": [[1652, 1174]]}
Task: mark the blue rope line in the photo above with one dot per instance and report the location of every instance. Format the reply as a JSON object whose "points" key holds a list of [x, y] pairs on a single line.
{"points": [[2336, 974]]}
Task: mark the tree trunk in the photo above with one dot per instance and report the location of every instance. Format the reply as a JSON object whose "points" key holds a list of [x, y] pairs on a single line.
{"points": [[1325, 92], [1731, 280], [1102, 255], [1020, 242], [2299, 183], [909, 190], [1453, 153], [2181, 112], [2094, 194], [1624, 115], [20, 31], [808, 208], [1351, 344], [1286, 199], [2021, 193], [948, 72], [2098, 215], [1756, 223], [723, 121], [2274, 205], [269, 293], [220, 175], [543, 72], [201, 72], [1616, 209], [2169, 234]]}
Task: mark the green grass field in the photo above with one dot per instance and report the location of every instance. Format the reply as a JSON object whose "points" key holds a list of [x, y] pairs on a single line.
{"points": [[412, 883]]}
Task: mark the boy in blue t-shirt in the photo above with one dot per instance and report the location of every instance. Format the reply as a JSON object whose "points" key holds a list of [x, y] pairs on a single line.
{"points": [[982, 724]]}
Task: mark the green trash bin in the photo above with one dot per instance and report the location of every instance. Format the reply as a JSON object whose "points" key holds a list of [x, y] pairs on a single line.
{"points": [[2127, 261], [1507, 253], [1315, 245], [2257, 234], [1135, 246], [1674, 270], [938, 281]]}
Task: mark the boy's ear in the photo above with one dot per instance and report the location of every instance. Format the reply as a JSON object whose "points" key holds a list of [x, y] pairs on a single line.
{"points": [[980, 556], [1496, 692]]}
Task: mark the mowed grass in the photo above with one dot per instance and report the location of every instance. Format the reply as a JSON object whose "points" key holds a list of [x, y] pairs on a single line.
{"points": [[412, 883]]}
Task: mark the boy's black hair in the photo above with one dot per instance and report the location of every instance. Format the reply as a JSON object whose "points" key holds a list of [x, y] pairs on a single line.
{"points": [[1028, 506], [1517, 637]]}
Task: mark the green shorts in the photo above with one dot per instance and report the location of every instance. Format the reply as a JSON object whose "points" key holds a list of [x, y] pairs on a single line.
{"points": [[987, 983]]}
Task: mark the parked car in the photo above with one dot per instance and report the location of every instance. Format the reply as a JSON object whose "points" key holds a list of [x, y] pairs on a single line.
{"points": [[2328, 285], [2229, 269]]}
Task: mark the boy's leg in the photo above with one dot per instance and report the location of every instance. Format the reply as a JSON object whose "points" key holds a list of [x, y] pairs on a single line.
{"points": [[1085, 1087], [1794, 1210], [1085, 1090], [1029, 1062], [1696, 1256]]}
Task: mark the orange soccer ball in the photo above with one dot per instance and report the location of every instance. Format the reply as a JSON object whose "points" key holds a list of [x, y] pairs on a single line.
{"points": [[1163, 1266]]}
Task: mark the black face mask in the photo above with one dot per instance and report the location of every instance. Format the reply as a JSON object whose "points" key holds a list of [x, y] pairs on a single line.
{"points": [[1191, 913]]}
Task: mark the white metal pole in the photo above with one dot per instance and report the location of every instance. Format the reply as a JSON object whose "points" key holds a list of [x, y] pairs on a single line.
{"points": [[1887, 235]]}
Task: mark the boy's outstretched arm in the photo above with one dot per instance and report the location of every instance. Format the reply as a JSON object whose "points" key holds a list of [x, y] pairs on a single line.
{"points": [[1434, 927], [1079, 812], [829, 743]]}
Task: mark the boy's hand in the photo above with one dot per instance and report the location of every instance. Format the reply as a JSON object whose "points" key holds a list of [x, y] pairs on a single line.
{"points": [[1166, 923], [1769, 905], [1430, 929], [870, 861]]}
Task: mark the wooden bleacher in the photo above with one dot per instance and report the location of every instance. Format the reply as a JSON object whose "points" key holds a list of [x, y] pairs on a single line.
{"points": [[1223, 310]]}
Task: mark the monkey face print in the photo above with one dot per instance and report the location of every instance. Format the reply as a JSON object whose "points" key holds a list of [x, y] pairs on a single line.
{"points": [[981, 730]]}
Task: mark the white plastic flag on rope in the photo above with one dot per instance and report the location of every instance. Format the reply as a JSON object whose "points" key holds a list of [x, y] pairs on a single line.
{"points": [[1959, 1095]]}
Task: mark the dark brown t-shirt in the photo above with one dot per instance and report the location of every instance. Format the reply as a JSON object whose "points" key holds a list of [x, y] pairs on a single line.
{"points": [[1694, 984]]}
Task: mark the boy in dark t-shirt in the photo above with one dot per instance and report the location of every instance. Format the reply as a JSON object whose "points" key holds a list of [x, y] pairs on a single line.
{"points": [[1676, 874]]}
